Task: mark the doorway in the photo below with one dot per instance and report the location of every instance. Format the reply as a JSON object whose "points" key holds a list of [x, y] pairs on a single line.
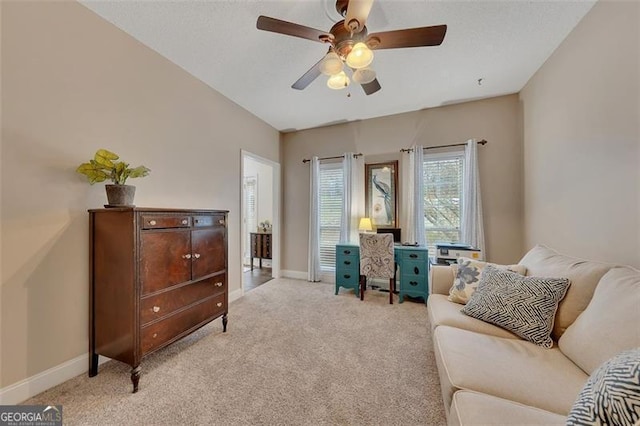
{"points": [[260, 233]]}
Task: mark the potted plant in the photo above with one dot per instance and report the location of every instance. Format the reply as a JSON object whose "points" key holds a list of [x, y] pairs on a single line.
{"points": [[105, 165]]}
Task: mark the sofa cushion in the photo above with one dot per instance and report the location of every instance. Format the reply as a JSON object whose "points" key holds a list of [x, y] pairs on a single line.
{"points": [[444, 312], [524, 305], [612, 393], [609, 325], [507, 368], [473, 408], [468, 273], [584, 275]]}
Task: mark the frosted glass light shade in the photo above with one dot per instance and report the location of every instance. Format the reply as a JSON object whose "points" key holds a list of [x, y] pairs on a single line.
{"points": [[364, 75], [338, 81], [331, 64], [360, 56]]}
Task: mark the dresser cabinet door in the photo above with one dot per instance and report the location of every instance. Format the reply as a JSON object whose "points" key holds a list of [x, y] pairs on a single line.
{"points": [[165, 259], [208, 251]]}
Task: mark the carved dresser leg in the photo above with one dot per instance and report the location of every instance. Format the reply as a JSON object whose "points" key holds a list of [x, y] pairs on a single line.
{"points": [[93, 364], [135, 377], [224, 323]]}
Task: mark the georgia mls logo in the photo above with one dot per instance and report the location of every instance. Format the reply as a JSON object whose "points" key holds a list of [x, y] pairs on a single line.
{"points": [[30, 415]]}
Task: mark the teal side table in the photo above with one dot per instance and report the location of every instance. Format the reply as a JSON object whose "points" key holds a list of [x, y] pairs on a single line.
{"points": [[348, 267], [413, 263]]}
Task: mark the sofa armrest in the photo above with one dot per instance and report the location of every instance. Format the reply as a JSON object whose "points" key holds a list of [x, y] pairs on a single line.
{"points": [[441, 279]]}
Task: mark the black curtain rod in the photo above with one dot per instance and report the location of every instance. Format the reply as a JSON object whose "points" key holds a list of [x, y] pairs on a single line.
{"points": [[306, 160], [482, 142]]}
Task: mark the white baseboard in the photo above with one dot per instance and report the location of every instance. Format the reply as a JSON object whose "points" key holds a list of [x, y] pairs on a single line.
{"points": [[297, 275], [325, 277], [32, 386], [235, 295]]}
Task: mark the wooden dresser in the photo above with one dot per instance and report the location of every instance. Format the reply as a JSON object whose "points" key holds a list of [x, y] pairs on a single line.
{"points": [[260, 247], [156, 275]]}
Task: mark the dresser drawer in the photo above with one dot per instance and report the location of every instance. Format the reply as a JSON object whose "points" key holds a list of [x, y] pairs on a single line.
{"points": [[414, 268], [420, 255], [347, 251], [347, 276], [152, 308], [411, 283], [165, 221], [348, 262], [161, 333]]}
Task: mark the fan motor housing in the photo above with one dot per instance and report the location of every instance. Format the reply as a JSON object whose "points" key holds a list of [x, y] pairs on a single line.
{"points": [[343, 40]]}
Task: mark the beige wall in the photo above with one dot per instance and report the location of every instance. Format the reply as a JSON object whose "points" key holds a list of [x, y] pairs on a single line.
{"points": [[498, 120], [73, 83], [582, 143]]}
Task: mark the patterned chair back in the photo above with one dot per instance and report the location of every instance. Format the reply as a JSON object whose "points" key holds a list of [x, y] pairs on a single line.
{"points": [[376, 256]]}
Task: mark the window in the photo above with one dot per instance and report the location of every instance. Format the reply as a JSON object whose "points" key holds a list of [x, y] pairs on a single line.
{"points": [[443, 197], [250, 213], [331, 185]]}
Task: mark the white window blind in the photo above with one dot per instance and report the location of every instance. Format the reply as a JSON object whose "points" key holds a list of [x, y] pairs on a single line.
{"points": [[250, 213], [443, 197], [331, 191]]}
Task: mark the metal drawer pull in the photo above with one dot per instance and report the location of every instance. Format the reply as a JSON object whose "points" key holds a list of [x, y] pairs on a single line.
{"points": [[347, 252], [347, 262], [185, 221], [413, 283], [155, 335], [413, 255], [152, 222], [219, 284], [219, 304], [416, 270], [347, 276], [196, 255], [186, 256], [156, 309]]}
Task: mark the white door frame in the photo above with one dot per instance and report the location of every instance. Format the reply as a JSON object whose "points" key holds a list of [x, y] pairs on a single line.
{"points": [[275, 232]]}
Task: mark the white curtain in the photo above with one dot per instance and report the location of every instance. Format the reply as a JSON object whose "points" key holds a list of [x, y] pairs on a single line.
{"points": [[313, 266], [472, 226], [353, 198], [414, 230]]}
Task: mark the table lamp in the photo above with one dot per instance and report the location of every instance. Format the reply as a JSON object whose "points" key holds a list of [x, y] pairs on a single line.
{"points": [[365, 225]]}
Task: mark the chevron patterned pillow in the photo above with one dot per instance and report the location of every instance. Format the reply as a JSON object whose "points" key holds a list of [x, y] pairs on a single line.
{"points": [[612, 393], [525, 306]]}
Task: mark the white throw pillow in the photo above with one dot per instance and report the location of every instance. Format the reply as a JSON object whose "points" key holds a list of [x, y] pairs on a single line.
{"points": [[467, 275]]}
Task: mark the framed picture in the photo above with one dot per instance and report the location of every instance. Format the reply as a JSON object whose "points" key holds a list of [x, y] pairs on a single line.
{"points": [[381, 197]]}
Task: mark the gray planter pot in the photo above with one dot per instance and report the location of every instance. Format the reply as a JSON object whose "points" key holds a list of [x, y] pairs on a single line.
{"points": [[120, 195]]}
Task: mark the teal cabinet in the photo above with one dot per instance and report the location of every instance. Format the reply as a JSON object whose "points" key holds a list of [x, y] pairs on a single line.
{"points": [[348, 267], [411, 276]]}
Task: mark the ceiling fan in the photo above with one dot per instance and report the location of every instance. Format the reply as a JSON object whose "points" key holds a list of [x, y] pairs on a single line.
{"points": [[351, 44]]}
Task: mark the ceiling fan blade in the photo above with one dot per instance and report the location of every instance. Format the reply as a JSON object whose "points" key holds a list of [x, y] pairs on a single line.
{"points": [[289, 28], [308, 77], [357, 14], [372, 87], [411, 37]]}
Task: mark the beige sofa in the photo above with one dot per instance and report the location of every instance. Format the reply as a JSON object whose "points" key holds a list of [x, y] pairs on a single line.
{"points": [[490, 376]]}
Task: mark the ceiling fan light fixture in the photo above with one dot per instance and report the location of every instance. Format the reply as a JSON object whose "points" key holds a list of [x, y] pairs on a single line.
{"points": [[331, 64], [364, 75], [360, 56], [338, 81]]}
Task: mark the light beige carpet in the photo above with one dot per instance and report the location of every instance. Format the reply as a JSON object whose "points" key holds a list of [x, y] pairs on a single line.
{"points": [[293, 354]]}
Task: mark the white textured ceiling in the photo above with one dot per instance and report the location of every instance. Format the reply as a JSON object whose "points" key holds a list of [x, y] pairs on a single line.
{"points": [[502, 42]]}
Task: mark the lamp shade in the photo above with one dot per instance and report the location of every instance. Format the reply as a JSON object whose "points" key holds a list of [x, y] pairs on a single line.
{"points": [[331, 64], [365, 224], [338, 81], [360, 56], [364, 75]]}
